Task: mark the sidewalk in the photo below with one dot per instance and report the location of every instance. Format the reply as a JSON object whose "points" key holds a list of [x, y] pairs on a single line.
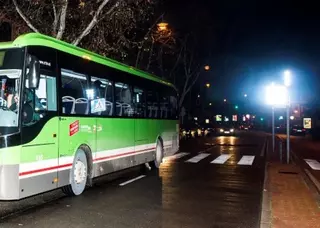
{"points": [[293, 203]]}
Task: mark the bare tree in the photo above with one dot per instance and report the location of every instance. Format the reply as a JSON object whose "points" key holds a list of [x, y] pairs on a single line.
{"points": [[114, 25]]}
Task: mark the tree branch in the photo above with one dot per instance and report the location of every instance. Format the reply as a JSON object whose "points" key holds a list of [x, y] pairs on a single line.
{"points": [[55, 22], [63, 14], [94, 21], [28, 22]]}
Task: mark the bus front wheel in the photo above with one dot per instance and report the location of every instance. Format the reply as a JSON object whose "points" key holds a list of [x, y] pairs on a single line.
{"points": [[78, 174]]}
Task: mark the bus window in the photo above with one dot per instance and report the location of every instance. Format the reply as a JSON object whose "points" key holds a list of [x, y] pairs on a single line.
{"points": [[75, 100], [37, 101], [164, 106], [102, 104], [152, 104], [123, 99], [173, 107], [139, 102]]}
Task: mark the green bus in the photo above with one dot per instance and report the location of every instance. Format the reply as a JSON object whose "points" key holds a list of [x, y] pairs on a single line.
{"points": [[68, 115]]}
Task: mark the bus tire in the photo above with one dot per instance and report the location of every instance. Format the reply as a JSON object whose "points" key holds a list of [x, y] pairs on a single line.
{"points": [[78, 174], [159, 155]]}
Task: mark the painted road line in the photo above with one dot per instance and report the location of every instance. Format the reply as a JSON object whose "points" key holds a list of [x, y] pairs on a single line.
{"points": [[132, 180], [314, 164], [246, 160], [263, 148], [175, 156], [198, 158], [221, 159]]}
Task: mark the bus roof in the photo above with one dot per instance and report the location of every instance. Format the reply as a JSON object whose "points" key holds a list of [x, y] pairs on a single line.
{"points": [[31, 39]]}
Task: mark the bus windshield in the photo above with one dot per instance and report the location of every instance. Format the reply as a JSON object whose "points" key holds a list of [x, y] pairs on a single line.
{"points": [[10, 79]]}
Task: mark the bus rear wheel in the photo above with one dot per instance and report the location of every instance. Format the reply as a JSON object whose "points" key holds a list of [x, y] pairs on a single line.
{"points": [[159, 155], [78, 174]]}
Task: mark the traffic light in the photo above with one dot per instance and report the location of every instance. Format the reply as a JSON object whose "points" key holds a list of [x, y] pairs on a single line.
{"points": [[236, 107]]}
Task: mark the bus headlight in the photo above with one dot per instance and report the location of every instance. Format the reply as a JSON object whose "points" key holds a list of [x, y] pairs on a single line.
{"points": [[221, 130], [232, 130]]}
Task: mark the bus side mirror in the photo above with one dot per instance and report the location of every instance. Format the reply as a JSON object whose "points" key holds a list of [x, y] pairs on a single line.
{"points": [[34, 72]]}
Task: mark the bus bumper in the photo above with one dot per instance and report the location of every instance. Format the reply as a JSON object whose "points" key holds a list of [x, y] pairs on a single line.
{"points": [[9, 182]]}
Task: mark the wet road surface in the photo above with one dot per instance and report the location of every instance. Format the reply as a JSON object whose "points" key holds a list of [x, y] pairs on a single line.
{"points": [[219, 185]]}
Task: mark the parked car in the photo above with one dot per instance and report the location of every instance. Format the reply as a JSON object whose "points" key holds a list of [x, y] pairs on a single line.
{"points": [[298, 130]]}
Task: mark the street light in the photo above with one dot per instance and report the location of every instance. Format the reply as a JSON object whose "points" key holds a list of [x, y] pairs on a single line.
{"points": [[224, 100], [198, 95], [287, 78], [208, 85], [245, 95], [210, 103], [276, 96], [162, 26], [207, 67]]}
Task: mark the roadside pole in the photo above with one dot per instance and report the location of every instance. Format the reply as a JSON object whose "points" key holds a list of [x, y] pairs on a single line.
{"points": [[273, 136]]}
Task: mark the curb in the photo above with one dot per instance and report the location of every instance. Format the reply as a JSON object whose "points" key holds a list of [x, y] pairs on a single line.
{"points": [[307, 173], [265, 215]]}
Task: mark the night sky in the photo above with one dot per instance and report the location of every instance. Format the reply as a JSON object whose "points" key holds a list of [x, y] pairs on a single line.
{"points": [[250, 43]]}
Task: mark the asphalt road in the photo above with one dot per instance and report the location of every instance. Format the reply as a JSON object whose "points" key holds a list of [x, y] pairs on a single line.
{"points": [[187, 191]]}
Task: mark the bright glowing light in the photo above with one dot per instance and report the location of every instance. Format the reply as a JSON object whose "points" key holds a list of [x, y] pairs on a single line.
{"points": [[210, 104], [287, 78], [221, 130], [224, 100], [196, 118], [90, 93], [295, 111], [280, 117], [277, 95], [208, 85], [232, 130], [245, 95], [207, 67], [291, 117], [162, 26], [207, 121], [248, 116], [198, 95]]}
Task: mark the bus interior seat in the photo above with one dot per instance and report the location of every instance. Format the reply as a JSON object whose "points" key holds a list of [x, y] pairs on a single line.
{"points": [[68, 105], [118, 109], [81, 106]]}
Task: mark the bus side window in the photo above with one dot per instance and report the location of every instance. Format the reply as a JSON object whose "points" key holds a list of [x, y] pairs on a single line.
{"points": [[152, 104], [164, 106], [102, 102], [75, 95], [123, 99], [139, 102], [173, 107]]}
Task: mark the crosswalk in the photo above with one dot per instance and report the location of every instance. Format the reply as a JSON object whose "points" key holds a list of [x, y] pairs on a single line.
{"points": [[245, 160]]}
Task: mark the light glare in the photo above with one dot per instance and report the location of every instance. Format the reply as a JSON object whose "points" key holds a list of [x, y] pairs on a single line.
{"points": [[277, 95]]}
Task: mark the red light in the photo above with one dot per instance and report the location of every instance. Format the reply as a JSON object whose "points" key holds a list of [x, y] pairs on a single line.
{"points": [[303, 129]]}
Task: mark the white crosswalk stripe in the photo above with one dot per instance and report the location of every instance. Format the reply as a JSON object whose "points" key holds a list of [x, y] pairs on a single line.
{"points": [[246, 160], [314, 164], [221, 159], [175, 156], [198, 158]]}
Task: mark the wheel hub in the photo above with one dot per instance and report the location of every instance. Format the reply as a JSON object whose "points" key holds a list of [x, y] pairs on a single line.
{"points": [[80, 172]]}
